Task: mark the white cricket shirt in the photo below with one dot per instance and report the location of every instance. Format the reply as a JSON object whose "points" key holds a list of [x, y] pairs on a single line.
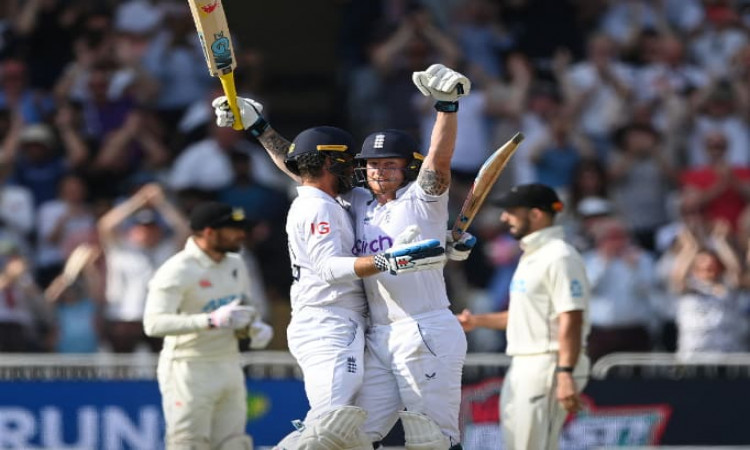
{"points": [[550, 279], [321, 237], [183, 291], [395, 297]]}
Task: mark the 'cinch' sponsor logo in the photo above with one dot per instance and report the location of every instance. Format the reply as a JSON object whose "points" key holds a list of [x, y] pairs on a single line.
{"points": [[365, 247]]}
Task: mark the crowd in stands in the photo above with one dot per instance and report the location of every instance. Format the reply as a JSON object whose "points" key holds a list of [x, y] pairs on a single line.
{"points": [[636, 111]]}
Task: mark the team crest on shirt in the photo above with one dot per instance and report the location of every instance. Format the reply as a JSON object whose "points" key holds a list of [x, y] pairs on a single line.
{"points": [[576, 289], [205, 283]]}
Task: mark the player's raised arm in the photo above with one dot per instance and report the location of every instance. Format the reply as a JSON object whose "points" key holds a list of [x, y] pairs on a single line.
{"points": [[251, 111], [446, 86]]}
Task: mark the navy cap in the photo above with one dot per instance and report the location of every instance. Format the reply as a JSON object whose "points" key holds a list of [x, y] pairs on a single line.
{"points": [[318, 139], [389, 144], [217, 215], [534, 195]]}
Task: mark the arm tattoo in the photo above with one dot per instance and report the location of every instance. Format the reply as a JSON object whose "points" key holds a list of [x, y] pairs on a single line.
{"points": [[275, 144], [433, 182]]}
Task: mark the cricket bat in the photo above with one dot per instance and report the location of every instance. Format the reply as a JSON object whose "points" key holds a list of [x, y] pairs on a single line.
{"points": [[213, 31], [483, 182]]}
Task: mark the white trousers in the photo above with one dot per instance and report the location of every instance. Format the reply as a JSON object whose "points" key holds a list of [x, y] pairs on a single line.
{"points": [[531, 416], [328, 344], [204, 402], [415, 363]]}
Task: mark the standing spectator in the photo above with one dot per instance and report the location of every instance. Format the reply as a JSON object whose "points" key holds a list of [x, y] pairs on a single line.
{"points": [[16, 95], [198, 300], [62, 224], [709, 313], [622, 283], [76, 296], [723, 187], [547, 323], [132, 255], [641, 180]]}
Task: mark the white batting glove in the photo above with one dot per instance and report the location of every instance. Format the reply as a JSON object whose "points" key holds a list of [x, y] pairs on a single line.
{"points": [[441, 83], [250, 110], [410, 234], [233, 315], [260, 334], [411, 257], [461, 249]]}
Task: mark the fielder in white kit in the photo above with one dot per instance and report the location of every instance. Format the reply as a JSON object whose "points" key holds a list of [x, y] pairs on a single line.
{"points": [[547, 323], [198, 300], [415, 346]]}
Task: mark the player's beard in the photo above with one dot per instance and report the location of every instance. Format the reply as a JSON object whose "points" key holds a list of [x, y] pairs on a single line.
{"points": [[521, 229], [226, 245]]}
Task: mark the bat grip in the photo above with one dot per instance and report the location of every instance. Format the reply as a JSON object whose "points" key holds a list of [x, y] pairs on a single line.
{"points": [[227, 83]]}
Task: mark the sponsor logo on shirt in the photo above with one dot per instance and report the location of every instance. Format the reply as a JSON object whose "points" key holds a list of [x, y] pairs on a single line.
{"points": [[518, 286], [576, 289], [320, 228], [365, 247], [218, 302], [205, 283]]}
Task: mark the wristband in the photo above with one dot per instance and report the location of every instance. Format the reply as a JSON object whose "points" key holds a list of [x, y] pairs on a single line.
{"points": [[381, 262], [567, 369], [446, 107], [258, 127]]}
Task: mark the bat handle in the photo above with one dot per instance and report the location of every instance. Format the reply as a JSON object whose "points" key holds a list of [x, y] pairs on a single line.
{"points": [[227, 82]]}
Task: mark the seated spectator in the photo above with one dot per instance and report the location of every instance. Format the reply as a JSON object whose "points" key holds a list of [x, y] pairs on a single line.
{"points": [[709, 314], [622, 280], [16, 95], [38, 166], [135, 244]]}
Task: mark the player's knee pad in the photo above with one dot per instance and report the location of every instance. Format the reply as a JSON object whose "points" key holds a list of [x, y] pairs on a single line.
{"points": [[335, 430], [360, 441], [187, 445], [422, 433], [237, 442], [289, 442]]}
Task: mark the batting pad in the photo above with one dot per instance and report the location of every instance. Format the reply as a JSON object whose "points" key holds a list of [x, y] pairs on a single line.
{"points": [[422, 433], [333, 431]]}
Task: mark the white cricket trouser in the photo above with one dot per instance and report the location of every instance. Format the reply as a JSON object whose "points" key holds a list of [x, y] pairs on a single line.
{"points": [[530, 414], [204, 401], [328, 344], [415, 363]]}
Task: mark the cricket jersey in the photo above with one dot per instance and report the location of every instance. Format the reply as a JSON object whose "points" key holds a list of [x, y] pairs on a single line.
{"points": [[390, 297], [182, 293], [550, 279], [320, 234]]}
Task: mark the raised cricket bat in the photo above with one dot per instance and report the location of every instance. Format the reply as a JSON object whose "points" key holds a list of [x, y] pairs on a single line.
{"points": [[483, 182], [211, 24]]}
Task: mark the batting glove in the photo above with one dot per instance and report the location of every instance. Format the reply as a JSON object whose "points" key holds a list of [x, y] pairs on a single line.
{"points": [[250, 111], [261, 334], [412, 257], [444, 85], [461, 249], [232, 315]]}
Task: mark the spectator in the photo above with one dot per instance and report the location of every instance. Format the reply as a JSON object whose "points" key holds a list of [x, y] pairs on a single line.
{"points": [[709, 313], [132, 255], [622, 280], [63, 223], [641, 181], [16, 95], [76, 296], [723, 187]]}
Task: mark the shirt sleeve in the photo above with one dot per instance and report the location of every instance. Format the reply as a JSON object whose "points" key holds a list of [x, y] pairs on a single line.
{"points": [[324, 240], [568, 284], [165, 295]]}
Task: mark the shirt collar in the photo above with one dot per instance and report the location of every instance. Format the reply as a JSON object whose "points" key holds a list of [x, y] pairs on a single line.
{"points": [[538, 238], [311, 191], [196, 252]]}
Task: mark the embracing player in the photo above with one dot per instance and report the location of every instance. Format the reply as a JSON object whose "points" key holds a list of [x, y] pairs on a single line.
{"points": [[415, 346]]}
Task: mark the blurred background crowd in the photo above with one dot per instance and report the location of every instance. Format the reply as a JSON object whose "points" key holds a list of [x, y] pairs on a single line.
{"points": [[636, 111]]}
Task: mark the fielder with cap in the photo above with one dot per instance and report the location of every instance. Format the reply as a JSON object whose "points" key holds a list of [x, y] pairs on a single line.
{"points": [[415, 347], [547, 323], [198, 301]]}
